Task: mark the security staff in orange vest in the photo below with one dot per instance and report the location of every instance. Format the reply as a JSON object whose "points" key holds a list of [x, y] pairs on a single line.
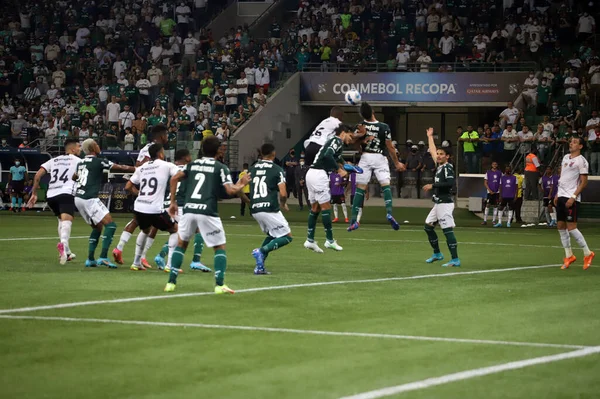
{"points": [[532, 175]]}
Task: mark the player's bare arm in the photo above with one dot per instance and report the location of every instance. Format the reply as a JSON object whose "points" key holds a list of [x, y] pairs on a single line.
{"points": [[234, 189], [583, 181], [122, 168], [132, 188], [283, 197], [36, 185], [431, 144], [400, 167]]}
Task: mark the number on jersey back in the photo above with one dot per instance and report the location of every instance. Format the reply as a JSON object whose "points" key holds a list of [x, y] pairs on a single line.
{"points": [[205, 179], [264, 186], [90, 172], [61, 170], [153, 178]]}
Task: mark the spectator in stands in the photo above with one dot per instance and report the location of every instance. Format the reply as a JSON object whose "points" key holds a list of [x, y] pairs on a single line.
{"points": [[509, 115], [543, 139], [511, 140], [571, 85], [526, 139], [543, 96], [259, 98], [470, 140], [594, 146], [261, 76], [530, 89], [586, 26]]}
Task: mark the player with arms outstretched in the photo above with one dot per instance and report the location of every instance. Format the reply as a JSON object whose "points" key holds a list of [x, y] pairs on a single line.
{"points": [[373, 161], [206, 178], [573, 180], [60, 194], [90, 173], [442, 187]]}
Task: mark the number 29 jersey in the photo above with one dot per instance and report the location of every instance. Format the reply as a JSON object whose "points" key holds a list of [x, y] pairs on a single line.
{"points": [[205, 179], [153, 178], [264, 187], [61, 170]]}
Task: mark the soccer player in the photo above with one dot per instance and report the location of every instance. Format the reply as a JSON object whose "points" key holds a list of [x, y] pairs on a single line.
{"points": [[206, 179], [338, 186], [246, 190], [90, 173], [17, 178], [153, 178], [329, 159], [322, 133], [159, 135], [373, 160], [549, 186], [441, 213], [60, 194], [572, 181], [268, 195], [492, 185], [508, 195]]}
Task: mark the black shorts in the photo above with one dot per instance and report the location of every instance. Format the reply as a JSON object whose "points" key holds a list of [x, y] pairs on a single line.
{"points": [[17, 187], [62, 203], [338, 199], [162, 221], [492, 199], [310, 153], [548, 202], [564, 214], [510, 202]]}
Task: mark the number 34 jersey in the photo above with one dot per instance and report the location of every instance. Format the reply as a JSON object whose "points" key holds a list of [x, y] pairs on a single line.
{"points": [[61, 170], [264, 186], [153, 179]]}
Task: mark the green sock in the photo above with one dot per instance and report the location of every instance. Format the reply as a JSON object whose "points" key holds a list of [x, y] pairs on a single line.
{"points": [[266, 242], [274, 244], [164, 251], [357, 203], [93, 243], [326, 218], [451, 241], [198, 247], [387, 197], [109, 232], [220, 266], [176, 261], [433, 238], [312, 223]]}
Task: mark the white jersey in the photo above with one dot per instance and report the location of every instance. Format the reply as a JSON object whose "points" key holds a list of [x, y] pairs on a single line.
{"points": [[153, 178], [61, 170], [144, 152], [324, 131], [572, 168]]}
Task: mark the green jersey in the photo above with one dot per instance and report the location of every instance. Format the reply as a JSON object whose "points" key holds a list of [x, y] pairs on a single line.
{"points": [[90, 172], [329, 156], [179, 195], [381, 133], [205, 180], [443, 184], [264, 186], [172, 140], [182, 126], [198, 129], [163, 100]]}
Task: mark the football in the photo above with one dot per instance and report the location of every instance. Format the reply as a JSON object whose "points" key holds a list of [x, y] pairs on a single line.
{"points": [[352, 97]]}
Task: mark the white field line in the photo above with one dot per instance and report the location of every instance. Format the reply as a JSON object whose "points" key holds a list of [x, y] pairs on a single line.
{"points": [[465, 375], [296, 331], [268, 288]]}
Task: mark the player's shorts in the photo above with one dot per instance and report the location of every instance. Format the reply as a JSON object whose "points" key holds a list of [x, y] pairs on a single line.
{"points": [[564, 214], [317, 183], [510, 202], [17, 187], [310, 152], [211, 228], [62, 203], [272, 223], [162, 221], [442, 214], [493, 199], [338, 199], [92, 210], [373, 164]]}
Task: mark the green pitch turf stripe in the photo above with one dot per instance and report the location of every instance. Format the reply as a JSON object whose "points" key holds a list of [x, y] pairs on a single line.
{"points": [[295, 331], [271, 288], [465, 375]]}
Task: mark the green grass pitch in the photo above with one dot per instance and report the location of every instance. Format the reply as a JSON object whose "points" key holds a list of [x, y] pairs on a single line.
{"points": [[373, 327]]}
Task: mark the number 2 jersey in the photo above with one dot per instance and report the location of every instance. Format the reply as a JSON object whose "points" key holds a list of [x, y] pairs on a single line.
{"points": [[381, 133], [205, 179], [264, 186], [153, 179], [90, 172], [61, 170]]}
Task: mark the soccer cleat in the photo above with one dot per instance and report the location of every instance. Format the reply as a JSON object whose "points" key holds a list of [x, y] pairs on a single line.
{"points": [[259, 257], [335, 220], [453, 263], [23, 209], [145, 263], [170, 287], [567, 262], [499, 224], [107, 263], [587, 261], [353, 226], [90, 263], [312, 246], [61, 253], [393, 222], [346, 220], [137, 268], [118, 255], [160, 262], [167, 269], [223, 289], [200, 267], [71, 257], [508, 224], [261, 271], [484, 223], [435, 257], [333, 245]]}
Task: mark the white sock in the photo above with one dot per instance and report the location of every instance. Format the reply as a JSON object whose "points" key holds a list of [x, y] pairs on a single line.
{"points": [[173, 241], [500, 213], [149, 242], [335, 211], [495, 215], [510, 216], [553, 215], [140, 242], [359, 215], [65, 234], [59, 228], [344, 210], [485, 214], [576, 234], [125, 236], [565, 239]]}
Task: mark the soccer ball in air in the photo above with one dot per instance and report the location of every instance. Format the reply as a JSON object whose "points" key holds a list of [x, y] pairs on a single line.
{"points": [[352, 97]]}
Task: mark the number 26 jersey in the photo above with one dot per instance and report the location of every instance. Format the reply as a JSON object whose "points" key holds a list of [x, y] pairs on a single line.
{"points": [[153, 179], [61, 170]]}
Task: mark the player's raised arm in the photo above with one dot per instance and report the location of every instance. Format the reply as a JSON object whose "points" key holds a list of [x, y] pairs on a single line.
{"points": [[431, 144], [122, 168]]}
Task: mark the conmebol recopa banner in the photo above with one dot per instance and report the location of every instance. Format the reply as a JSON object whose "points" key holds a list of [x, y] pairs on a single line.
{"points": [[413, 86]]}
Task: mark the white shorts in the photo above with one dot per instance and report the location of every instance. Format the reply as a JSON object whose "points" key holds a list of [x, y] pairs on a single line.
{"points": [[92, 210], [374, 164], [197, 145], [272, 223], [442, 214], [317, 184], [210, 227]]}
